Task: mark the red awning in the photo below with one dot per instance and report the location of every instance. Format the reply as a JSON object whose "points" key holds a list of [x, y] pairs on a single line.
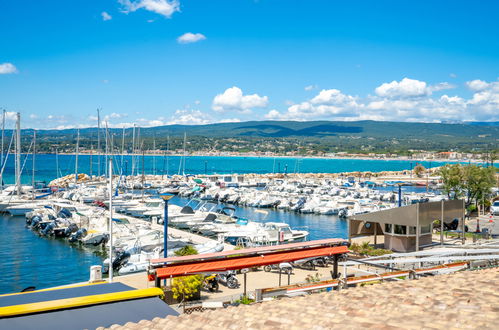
{"points": [[246, 262], [253, 251]]}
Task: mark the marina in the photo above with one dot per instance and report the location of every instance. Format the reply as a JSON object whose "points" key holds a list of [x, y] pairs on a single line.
{"points": [[136, 220], [175, 164]]}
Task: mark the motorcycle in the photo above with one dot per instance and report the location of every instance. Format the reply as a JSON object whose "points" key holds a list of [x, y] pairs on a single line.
{"points": [[228, 279], [287, 268], [210, 283]]}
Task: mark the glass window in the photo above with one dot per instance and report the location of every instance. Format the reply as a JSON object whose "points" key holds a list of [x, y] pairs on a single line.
{"points": [[412, 230], [400, 230], [388, 228], [426, 229]]}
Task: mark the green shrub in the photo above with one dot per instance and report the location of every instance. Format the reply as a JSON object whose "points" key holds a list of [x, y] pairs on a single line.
{"points": [[186, 287], [245, 300], [313, 278], [366, 249], [186, 251]]}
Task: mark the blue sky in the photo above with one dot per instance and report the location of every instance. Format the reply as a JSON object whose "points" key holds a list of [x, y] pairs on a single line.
{"points": [[154, 62]]}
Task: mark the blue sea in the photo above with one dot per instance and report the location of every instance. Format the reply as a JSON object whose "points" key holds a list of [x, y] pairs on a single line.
{"points": [[29, 260]]}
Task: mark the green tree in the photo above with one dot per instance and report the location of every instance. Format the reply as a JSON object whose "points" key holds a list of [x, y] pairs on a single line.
{"points": [[478, 183], [186, 287], [472, 181], [453, 180], [419, 170]]}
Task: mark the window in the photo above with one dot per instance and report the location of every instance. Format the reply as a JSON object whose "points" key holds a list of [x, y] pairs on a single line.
{"points": [[412, 230], [426, 229], [400, 230], [388, 228]]}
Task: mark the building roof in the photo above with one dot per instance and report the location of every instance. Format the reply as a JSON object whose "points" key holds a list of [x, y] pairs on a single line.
{"points": [[466, 299], [80, 307], [407, 215]]}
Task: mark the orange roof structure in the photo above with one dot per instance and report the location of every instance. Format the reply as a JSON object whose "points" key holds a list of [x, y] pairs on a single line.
{"points": [[245, 258], [173, 270]]}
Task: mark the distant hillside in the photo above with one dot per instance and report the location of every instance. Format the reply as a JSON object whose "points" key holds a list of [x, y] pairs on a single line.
{"points": [[484, 123], [320, 136], [310, 129]]}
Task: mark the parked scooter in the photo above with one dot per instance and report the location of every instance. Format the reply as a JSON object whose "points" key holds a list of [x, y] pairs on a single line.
{"points": [[285, 267], [210, 283], [228, 279]]}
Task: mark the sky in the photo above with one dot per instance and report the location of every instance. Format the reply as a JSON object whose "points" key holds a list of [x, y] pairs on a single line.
{"points": [[158, 62]]}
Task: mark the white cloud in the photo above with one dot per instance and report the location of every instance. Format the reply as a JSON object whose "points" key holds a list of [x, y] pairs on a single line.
{"points": [[452, 75], [106, 16], [485, 101], [311, 87], [407, 100], [333, 97], [189, 38], [234, 100], [189, 117], [477, 85], [10, 115], [440, 87], [115, 115], [180, 117], [162, 7], [407, 88], [328, 103], [7, 68], [230, 120]]}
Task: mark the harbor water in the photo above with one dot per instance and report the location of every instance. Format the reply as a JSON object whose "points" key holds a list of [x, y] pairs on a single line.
{"points": [[49, 166], [29, 260]]}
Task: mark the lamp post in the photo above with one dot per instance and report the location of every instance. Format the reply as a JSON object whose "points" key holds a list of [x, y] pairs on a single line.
{"points": [[166, 198]]}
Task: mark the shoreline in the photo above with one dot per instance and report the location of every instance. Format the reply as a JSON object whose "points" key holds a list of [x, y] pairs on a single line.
{"points": [[438, 160]]}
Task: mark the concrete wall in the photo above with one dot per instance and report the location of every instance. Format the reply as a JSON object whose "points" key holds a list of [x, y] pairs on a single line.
{"points": [[405, 243]]}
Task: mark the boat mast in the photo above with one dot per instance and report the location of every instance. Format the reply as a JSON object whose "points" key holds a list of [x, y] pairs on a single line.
{"points": [[76, 156], [133, 150], [139, 145], [185, 143], [107, 149], [143, 169], [98, 143], [90, 161], [181, 168], [3, 136], [110, 219], [154, 156], [34, 163], [167, 158], [18, 153], [56, 163], [122, 149]]}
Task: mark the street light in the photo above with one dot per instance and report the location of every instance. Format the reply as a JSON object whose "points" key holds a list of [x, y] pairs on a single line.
{"points": [[166, 198]]}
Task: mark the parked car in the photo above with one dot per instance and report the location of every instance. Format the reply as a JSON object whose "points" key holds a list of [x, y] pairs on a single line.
{"points": [[494, 208]]}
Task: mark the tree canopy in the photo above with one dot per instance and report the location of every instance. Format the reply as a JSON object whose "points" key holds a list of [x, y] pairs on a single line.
{"points": [[473, 182]]}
